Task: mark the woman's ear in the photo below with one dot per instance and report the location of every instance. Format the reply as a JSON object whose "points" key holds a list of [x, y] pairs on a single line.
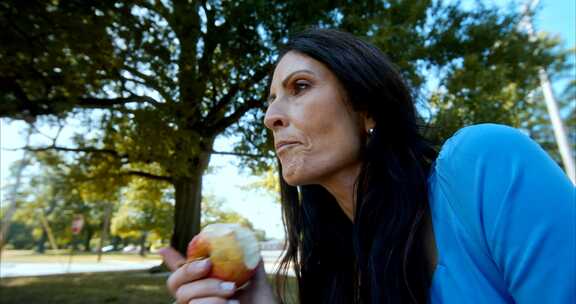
{"points": [[368, 122]]}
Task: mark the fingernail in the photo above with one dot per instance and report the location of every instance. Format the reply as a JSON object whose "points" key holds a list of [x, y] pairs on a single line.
{"points": [[233, 302], [227, 286], [198, 265]]}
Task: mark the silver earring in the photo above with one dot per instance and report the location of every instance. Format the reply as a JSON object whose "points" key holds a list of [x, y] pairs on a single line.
{"points": [[371, 131]]}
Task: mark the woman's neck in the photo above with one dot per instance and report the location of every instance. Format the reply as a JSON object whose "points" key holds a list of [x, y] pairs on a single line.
{"points": [[341, 186]]}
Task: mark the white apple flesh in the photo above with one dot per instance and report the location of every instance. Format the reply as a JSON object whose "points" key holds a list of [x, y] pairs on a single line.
{"points": [[233, 251]]}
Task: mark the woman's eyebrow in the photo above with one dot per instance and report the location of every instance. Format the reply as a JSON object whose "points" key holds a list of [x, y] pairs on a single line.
{"points": [[285, 81]]}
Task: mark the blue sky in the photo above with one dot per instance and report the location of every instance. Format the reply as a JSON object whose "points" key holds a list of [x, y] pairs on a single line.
{"points": [[557, 17]]}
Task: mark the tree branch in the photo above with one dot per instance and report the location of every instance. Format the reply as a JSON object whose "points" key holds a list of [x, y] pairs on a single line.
{"points": [[33, 108], [96, 150], [210, 41], [148, 81], [146, 175], [158, 8], [217, 112], [129, 173], [67, 149], [97, 103], [240, 154], [191, 87], [227, 121]]}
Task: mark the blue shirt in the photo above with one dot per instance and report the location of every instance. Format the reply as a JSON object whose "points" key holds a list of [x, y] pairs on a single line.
{"points": [[504, 218]]}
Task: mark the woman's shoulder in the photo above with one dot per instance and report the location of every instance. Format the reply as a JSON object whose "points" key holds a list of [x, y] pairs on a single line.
{"points": [[482, 169], [494, 139], [485, 169], [506, 196], [491, 148], [491, 154]]}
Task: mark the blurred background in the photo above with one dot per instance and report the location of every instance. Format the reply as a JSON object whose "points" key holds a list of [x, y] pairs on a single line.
{"points": [[126, 126]]}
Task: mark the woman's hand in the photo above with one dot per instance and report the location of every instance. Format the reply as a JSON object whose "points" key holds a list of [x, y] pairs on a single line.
{"points": [[189, 283]]}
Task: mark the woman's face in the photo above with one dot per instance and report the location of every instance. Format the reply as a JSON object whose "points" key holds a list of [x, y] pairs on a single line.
{"points": [[317, 136]]}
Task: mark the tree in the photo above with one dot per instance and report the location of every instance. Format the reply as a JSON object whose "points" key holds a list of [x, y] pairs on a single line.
{"points": [[173, 76], [468, 66], [145, 212], [56, 193], [20, 235], [212, 213], [268, 183], [9, 211], [43, 196], [163, 79]]}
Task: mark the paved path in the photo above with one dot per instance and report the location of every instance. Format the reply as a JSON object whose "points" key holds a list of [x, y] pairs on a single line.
{"points": [[17, 269]]}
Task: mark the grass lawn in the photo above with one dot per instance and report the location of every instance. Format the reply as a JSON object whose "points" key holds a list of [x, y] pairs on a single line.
{"points": [[88, 288], [124, 287]]}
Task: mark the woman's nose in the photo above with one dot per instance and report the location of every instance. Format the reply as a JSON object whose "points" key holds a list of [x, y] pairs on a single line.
{"points": [[274, 118]]}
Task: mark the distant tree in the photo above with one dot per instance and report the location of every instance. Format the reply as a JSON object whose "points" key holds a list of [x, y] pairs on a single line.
{"points": [[213, 212], [267, 182], [145, 212], [55, 193], [20, 236]]}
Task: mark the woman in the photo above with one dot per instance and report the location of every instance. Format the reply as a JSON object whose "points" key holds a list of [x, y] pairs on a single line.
{"points": [[374, 215]]}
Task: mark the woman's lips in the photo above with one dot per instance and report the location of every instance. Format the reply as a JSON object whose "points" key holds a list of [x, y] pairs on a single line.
{"points": [[282, 146]]}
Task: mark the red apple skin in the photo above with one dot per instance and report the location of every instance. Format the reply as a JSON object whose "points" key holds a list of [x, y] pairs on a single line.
{"points": [[226, 257]]}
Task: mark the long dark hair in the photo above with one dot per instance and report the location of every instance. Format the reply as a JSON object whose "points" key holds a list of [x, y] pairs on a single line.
{"points": [[381, 257]]}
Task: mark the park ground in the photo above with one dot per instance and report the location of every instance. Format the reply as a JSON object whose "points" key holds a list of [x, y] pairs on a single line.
{"points": [[125, 286]]}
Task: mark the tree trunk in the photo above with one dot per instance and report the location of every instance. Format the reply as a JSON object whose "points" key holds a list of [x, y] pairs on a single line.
{"points": [[74, 243], [116, 242], [105, 228], [188, 195], [89, 234], [41, 245], [143, 248], [47, 230]]}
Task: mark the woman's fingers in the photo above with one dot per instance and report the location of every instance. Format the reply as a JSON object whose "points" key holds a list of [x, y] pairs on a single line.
{"points": [[188, 283], [172, 258], [188, 272], [206, 288]]}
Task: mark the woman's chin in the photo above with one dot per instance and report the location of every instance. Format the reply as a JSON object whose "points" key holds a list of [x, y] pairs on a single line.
{"points": [[296, 180], [295, 173], [292, 181]]}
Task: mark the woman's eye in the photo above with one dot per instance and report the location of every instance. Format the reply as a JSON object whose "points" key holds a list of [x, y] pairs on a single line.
{"points": [[300, 86], [270, 99]]}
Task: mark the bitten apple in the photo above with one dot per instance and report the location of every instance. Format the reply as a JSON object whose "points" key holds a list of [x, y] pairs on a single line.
{"points": [[232, 249]]}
